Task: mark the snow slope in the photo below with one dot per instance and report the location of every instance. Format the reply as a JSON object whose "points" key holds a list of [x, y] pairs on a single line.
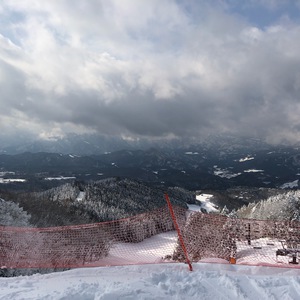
{"points": [[161, 281]]}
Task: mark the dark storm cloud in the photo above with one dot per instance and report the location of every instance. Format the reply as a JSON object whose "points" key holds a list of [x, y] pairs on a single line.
{"points": [[137, 115], [150, 68]]}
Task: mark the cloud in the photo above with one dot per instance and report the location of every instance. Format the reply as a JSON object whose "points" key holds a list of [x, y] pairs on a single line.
{"points": [[148, 68]]}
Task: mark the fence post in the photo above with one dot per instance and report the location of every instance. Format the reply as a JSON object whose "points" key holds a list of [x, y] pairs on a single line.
{"points": [[178, 232]]}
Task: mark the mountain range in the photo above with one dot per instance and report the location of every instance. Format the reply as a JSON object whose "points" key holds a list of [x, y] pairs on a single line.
{"points": [[215, 165], [235, 171]]}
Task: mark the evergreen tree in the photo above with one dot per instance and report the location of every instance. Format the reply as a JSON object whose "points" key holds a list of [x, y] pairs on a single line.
{"points": [[13, 215]]}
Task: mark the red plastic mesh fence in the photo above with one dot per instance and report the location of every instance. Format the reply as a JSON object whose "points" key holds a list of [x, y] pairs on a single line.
{"points": [[121, 242], [151, 238], [215, 238]]}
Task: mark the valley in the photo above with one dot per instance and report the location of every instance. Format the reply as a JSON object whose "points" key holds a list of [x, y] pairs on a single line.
{"points": [[197, 168], [235, 173]]}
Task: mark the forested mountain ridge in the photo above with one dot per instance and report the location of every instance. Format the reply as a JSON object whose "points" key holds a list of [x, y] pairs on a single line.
{"points": [[95, 144], [190, 167], [115, 198], [96, 201]]}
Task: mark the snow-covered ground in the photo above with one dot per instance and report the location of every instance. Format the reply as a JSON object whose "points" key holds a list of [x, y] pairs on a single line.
{"points": [[290, 185], [60, 178], [253, 171], [153, 279], [80, 196], [204, 202], [161, 281], [157, 280], [246, 158], [223, 173], [9, 180]]}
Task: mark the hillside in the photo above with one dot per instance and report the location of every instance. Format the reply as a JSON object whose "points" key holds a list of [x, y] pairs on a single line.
{"points": [[95, 201]]}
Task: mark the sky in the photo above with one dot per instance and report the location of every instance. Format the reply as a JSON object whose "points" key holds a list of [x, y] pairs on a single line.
{"points": [[154, 69]]}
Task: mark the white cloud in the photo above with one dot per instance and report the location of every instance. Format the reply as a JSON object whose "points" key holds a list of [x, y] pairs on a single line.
{"points": [[252, 34], [119, 66]]}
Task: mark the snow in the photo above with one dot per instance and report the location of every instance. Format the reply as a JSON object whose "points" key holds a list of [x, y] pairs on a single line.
{"points": [[290, 185], [194, 207], [253, 171], [80, 196], [246, 158], [225, 173], [150, 251], [210, 279], [3, 173], [204, 197], [205, 203], [9, 180], [161, 281], [59, 178]]}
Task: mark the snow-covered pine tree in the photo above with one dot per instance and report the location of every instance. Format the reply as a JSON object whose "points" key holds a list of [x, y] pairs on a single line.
{"points": [[13, 215]]}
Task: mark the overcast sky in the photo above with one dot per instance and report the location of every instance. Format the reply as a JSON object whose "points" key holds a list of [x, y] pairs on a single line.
{"points": [[151, 68]]}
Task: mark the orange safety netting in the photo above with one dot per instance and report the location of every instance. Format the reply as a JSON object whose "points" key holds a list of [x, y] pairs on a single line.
{"points": [[121, 242], [211, 237], [151, 238]]}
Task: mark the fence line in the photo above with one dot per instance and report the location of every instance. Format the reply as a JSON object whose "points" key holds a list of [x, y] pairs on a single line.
{"points": [[151, 238]]}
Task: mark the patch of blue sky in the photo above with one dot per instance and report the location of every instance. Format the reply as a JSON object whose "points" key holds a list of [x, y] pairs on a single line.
{"points": [[8, 25], [258, 13], [263, 16]]}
